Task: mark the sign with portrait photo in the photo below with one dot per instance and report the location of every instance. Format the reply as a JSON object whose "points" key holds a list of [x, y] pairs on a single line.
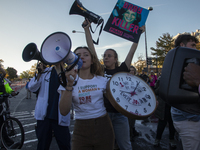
{"points": [[125, 20]]}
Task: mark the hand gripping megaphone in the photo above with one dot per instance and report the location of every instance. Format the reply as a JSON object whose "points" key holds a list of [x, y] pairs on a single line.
{"points": [[56, 48]]}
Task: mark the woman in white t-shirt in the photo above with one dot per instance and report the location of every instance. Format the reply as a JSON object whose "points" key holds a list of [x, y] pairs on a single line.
{"points": [[93, 129]]}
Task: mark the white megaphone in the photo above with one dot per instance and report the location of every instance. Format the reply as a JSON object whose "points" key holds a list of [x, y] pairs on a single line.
{"points": [[56, 48]]}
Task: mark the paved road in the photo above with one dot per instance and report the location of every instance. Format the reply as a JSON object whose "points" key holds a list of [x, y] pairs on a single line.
{"points": [[23, 109]]}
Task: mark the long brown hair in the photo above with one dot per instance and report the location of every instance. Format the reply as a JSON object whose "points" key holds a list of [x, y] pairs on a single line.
{"points": [[95, 67]]}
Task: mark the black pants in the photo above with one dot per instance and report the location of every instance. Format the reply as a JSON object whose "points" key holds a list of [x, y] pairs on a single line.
{"points": [[162, 124], [44, 134]]}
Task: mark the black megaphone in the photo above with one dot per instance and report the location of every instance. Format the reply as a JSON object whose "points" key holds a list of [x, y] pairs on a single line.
{"points": [[77, 8], [31, 52]]}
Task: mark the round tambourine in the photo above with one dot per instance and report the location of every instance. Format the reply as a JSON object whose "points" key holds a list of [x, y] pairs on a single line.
{"points": [[131, 96]]}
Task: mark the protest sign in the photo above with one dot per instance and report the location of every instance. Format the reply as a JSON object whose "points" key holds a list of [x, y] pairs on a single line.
{"points": [[125, 21]]}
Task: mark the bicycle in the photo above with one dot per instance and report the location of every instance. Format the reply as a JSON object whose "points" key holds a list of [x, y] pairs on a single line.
{"points": [[12, 131]]}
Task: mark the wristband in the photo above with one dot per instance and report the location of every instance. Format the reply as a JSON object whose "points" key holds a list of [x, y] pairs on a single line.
{"points": [[69, 86], [69, 90]]}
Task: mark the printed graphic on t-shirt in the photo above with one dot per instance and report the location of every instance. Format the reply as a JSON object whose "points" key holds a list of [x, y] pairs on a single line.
{"points": [[85, 93], [107, 75]]}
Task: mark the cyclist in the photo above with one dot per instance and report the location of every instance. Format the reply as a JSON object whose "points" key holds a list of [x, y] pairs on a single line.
{"points": [[5, 86], [5, 89]]}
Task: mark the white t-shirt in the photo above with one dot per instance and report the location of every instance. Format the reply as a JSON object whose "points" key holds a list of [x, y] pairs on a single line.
{"points": [[87, 97]]}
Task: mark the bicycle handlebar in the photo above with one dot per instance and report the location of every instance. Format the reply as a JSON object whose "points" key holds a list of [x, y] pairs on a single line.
{"points": [[8, 95], [5, 95]]}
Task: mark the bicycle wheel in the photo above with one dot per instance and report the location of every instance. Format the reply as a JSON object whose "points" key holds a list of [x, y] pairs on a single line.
{"points": [[12, 134]]}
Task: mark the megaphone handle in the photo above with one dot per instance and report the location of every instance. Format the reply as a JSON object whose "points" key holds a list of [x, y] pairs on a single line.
{"points": [[86, 24], [62, 78]]}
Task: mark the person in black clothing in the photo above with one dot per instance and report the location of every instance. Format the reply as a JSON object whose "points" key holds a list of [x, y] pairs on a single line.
{"points": [[5, 89], [163, 113], [133, 131], [144, 77]]}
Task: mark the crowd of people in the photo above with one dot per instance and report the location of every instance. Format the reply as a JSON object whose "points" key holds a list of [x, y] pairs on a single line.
{"points": [[98, 125]]}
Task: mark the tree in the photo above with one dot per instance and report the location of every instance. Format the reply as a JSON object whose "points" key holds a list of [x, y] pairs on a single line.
{"points": [[32, 70], [164, 44], [25, 74], [12, 73], [198, 46], [29, 73], [140, 64]]}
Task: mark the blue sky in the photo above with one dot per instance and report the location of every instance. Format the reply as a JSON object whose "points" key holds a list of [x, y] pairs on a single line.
{"points": [[26, 21]]}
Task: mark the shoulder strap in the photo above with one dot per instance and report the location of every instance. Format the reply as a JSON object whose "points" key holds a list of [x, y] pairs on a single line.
{"points": [[97, 42]]}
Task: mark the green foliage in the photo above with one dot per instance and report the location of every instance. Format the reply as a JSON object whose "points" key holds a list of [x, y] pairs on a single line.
{"points": [[12, 73], [26, 75], [198, 46], [33, 70], [164, 44]]}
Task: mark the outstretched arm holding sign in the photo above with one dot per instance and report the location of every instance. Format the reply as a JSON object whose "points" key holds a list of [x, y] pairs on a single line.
{"points": [[132, 50], [90, 44]]}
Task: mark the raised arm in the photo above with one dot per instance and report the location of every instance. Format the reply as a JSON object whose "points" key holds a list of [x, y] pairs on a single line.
{"points": [[132, 50], [130, 54], [86, 24]]}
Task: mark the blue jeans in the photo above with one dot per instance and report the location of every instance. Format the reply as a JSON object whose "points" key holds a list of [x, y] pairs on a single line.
{"points": [[121, 128]]}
